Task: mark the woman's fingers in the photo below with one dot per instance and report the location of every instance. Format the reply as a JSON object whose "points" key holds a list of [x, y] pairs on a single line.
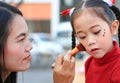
{"points": [[64, 68], [67, 59], [72, 63], [58, 61], [63, 60]]}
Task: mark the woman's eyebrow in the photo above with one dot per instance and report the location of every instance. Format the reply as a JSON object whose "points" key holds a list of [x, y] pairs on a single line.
{"points": [[21, 34]]}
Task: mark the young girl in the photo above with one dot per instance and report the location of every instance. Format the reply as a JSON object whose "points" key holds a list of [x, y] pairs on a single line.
{"points": [[14, 44], [94, 23]]}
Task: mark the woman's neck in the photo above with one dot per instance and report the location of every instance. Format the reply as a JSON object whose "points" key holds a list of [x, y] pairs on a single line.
{"points": [[5, 74]]}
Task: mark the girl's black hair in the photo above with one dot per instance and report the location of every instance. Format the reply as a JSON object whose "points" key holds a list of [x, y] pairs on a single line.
{"points": [[117, 14], [101, 9], [6, 15], [73, 40]]}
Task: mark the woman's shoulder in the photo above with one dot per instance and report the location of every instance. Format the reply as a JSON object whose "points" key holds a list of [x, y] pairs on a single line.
{"points": [[11, 78]]}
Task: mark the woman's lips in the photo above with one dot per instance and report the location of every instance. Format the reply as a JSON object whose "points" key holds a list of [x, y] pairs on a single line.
{"points": [[27, 58]]}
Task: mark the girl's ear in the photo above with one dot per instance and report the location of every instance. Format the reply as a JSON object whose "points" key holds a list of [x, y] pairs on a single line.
{"points": [[114, 27]]}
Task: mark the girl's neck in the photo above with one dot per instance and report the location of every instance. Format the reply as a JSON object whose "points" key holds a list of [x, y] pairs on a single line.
{"points": [[5, 74]]}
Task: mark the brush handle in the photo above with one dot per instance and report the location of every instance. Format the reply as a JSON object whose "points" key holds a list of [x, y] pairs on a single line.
{"points": [[75, 51]]}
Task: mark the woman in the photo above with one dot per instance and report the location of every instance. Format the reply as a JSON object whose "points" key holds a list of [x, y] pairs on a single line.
{"points": [[14, 45]]}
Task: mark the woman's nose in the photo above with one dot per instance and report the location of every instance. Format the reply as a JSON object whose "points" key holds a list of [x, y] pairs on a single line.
{"points": [[29, 46]]}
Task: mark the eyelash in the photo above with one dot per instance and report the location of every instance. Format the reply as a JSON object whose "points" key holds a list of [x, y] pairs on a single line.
{"points": [[22, 39], [97, 32], [94, 33], [82, 37]]}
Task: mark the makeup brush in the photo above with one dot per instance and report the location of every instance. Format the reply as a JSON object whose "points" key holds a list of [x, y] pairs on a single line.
{"points": [[77, 49]]}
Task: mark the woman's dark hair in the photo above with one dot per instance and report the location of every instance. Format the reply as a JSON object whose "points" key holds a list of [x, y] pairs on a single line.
{"points": [[99, 8], [6, 15]]}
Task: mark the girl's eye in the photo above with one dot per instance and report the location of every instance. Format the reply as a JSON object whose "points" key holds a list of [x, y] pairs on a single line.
{"points": [[97, 32], [82, 37]]}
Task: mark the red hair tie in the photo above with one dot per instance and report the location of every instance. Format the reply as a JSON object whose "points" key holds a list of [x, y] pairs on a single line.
{"points": [[109, 2], [113, 1], [67, 12]]}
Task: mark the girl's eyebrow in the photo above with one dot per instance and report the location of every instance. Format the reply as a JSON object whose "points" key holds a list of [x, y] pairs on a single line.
{"points": [[94, 26], [21, 34], [89, 28], [79, 32]]}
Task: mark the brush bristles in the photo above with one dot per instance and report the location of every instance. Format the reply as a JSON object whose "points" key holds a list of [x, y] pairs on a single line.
{"points": [[80, 47], [77, 49]]}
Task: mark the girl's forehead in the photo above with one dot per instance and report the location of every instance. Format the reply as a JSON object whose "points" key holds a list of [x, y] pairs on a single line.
{"points": [[90, 13], [93, 11], [85, 18], [87, 21]]}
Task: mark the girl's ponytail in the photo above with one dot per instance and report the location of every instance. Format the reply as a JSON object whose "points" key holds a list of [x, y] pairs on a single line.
{"points": [[73, 40], [69, 12]]}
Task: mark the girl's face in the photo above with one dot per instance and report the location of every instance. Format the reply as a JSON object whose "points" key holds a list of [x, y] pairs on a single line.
{"points": [[94, 33], [17, 49]]}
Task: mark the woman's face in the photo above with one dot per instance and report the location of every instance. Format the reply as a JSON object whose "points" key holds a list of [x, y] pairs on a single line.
{"points": [[94, 34], [18, 46]]}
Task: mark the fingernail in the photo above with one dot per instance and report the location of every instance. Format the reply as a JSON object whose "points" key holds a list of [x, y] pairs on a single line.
{"points": [[53, 65]]}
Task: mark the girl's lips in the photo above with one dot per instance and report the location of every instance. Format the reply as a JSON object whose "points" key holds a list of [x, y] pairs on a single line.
{"points": [[95, 50], [27, 58]]}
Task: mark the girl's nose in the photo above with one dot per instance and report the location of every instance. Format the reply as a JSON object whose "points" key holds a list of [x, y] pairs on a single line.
{"points": [[91, 41]]}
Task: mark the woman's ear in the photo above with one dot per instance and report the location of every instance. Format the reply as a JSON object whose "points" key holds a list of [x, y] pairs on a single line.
{"points": [[114, 27]]}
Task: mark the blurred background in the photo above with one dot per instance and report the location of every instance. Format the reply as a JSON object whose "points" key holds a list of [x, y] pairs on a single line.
{"points": [[50, 35]]}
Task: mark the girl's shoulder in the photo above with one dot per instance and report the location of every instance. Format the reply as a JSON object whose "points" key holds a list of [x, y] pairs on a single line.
{"points": [[115, 76], [87, 63]]}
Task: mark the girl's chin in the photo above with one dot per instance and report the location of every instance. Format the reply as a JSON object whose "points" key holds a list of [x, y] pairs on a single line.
{"points": [[98, 56]]}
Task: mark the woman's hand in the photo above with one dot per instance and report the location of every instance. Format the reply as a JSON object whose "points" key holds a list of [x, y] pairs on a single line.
{"points": [[64, 69]]}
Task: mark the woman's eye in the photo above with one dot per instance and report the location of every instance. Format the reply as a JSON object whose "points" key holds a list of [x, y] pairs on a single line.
{"points": [[21, 40], [97, 32]]}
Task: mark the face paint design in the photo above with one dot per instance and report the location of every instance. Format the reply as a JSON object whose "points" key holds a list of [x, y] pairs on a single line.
{"points": [[104, 33]]}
